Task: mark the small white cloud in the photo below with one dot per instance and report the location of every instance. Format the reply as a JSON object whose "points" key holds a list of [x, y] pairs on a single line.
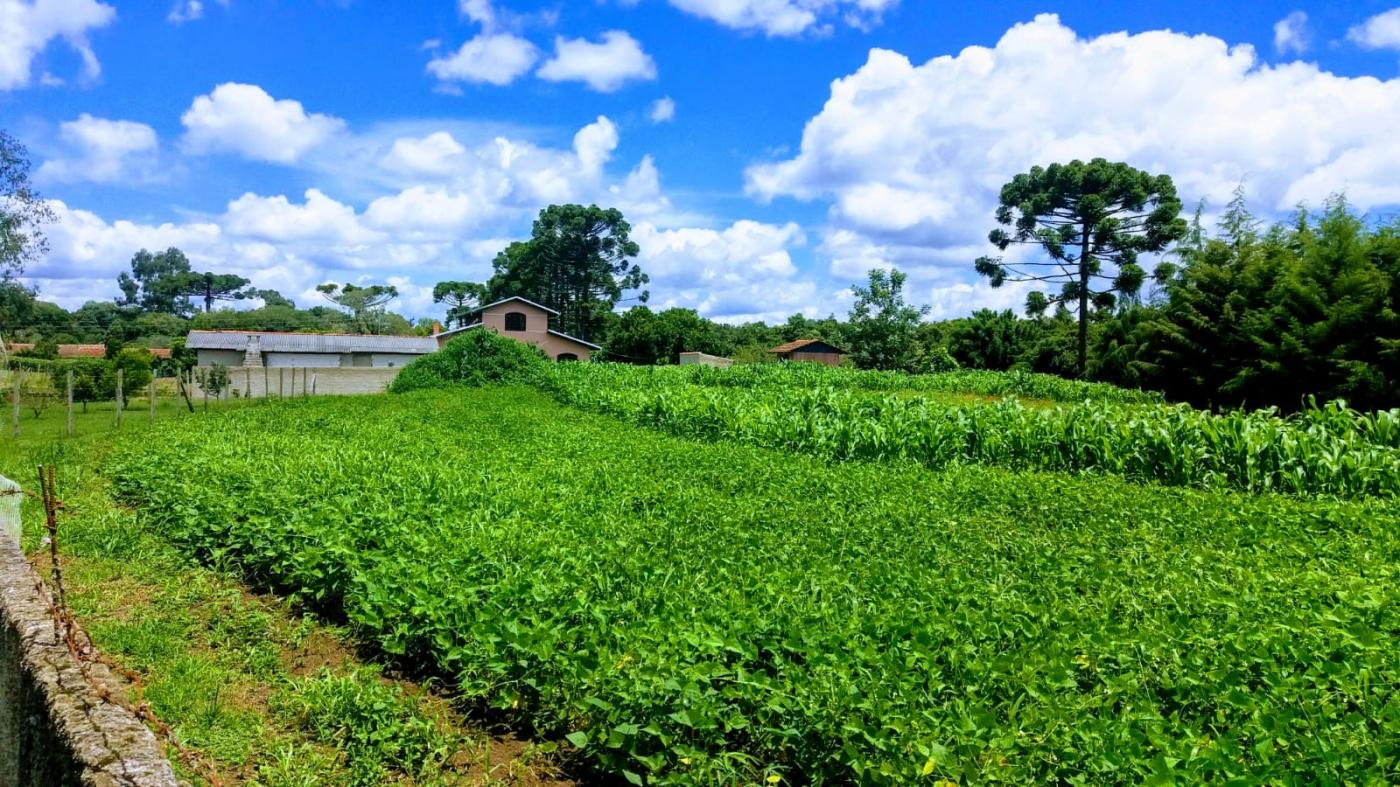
{"points": [[1291, 33], [103, 151], [185, 11], [1381, 31], [594, 143], [604, 66], [246, 120], [663, 110], [26, 28], [434, 154], [787, 17], [479, 11], [491, 58]]}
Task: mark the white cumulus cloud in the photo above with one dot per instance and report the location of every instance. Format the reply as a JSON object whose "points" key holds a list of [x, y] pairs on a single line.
{"points": [[663, 110], [246, 120], [1381, 31], [604, 66], [103, 151], [27, 28], [490, 58], [910, 158]]}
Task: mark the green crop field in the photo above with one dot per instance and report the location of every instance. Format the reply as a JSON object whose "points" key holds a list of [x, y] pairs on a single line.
{"points": [[832, 413], [700, 608]]}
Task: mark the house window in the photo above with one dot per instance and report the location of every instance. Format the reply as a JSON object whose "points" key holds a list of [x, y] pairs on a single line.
{"points": [[566, 357], [515, 321]]}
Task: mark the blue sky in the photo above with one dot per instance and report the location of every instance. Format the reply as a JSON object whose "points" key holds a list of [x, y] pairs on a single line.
{"points": [[767, 152]]}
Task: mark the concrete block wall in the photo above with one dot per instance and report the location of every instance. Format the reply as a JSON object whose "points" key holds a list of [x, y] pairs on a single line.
{"points": [[329, 381], [54, 728]]}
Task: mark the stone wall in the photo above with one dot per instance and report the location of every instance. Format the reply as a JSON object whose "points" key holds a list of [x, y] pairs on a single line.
{"points": [[342, 381], [54, 729]]}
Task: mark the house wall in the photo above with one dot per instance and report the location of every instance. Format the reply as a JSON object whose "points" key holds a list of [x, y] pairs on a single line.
{"points": [[300, 360], [536, 321], [391, 360], [536, 330], [221, 357], [829, 359]]}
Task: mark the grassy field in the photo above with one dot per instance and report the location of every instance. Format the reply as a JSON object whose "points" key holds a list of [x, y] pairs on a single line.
{"points": [[269, 694], [699, 611]]}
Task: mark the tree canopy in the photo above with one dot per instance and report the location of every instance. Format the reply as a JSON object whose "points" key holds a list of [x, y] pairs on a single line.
{"points": [[460, 297], [365, 304], [1092, 221], [578, 261], [882, 326], [22, 211]]}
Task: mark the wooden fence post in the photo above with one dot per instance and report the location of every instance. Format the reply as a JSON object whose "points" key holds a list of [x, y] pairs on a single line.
{"points": [[281, 378], [70, 402], [153, 398], [313, 383], [265, 391], [14, 418], [119, 398], [247, 384]]}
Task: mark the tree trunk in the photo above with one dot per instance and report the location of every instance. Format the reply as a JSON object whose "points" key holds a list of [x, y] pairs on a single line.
{"points": [[1084, 301]]}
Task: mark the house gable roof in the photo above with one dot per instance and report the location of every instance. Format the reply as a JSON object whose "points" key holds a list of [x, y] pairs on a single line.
{"points": [[541, 307], [562, 335], [807, 344]]}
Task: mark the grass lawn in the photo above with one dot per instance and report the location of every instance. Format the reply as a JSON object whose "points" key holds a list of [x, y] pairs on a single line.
{"points": [[269, 694]]}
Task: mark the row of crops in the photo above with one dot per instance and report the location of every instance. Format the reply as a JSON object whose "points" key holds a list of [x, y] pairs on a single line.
{"points": [[704, 613], [977, 382], [830, 413]]}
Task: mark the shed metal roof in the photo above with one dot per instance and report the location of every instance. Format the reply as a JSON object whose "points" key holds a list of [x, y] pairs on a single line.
{"points": [[272, 341], [803, 343]]}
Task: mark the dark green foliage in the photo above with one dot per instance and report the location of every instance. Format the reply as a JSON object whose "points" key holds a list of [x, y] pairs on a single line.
{"points": [[477, 357], [578, 261], [1307, 309], [882, 327], [157, 282], [135, 364], [89, 376], [640, 335], [704, 613], [1092, 221], [990, 340]]}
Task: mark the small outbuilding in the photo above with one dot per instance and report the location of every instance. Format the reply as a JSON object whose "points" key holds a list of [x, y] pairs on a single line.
{"points": [[526, 321], [306, 350], [810, 350]]}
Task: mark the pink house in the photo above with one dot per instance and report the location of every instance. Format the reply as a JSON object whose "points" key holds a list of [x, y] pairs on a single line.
{"points": [[527, 321]]}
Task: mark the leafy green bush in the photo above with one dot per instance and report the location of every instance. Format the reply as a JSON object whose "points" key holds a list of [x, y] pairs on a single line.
{"points": [[374, 725], [710, 613], [476, 358]]}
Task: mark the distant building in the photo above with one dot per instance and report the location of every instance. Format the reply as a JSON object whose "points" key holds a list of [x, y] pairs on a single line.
{"points": [[306, 350], [811, 350], [705, 359], [84, 350], [528, 322]]}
